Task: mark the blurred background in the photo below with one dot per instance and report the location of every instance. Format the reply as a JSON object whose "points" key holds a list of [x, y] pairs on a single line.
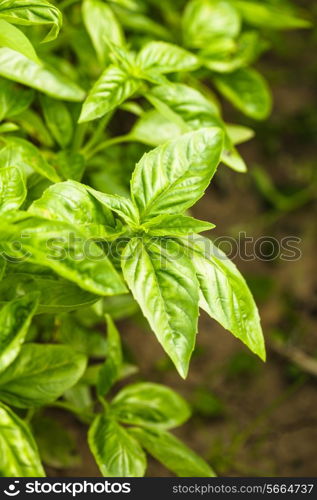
{"points": [[251, 418]]}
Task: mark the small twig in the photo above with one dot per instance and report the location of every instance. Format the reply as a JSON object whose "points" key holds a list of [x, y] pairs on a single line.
{"points": [[296, 356]]}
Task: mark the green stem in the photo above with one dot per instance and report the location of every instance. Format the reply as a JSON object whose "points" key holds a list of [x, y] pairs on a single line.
{"points": [[79, 137], [29, 415], [97, 134], [108, 143]]}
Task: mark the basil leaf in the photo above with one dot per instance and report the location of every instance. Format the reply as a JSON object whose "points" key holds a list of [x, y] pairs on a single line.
{"points": [[172, 453], [86, 341], [56, 295], [112, 88], [102, 25], [19, 453], [58, 120], [15, 319], [13, 99], [24, 155], [12, 189], [64, 249], [247, 49], [40, 374], [205, 20], [149, 404], [116, 452], [19, 68], [193, 107], [166, 58], [175, 175], [225, 295], [176, 225], [195, 111], [239, 133], [119, 204], [272, 16], [32, 13], [70, 201], [70, 165], [246, 89], [154, 129], [111, 369], [163, 283], [15, 39]]}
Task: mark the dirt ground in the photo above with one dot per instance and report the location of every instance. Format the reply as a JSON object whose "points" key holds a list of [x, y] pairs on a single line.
{"points": [[251, 418]]}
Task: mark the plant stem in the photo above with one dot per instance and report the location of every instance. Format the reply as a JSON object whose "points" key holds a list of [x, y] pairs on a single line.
{"points": [[79, 136], [108, 143], [96, 136]]}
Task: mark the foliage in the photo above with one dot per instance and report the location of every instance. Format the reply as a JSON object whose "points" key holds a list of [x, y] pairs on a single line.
{"points": [[79, 244]]}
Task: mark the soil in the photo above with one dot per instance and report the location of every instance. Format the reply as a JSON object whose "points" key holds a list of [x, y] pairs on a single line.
{"points": [[264, 421]]}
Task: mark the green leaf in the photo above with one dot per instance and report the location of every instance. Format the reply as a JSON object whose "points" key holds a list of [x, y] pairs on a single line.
{"points": [[206, 20], [32, 13], [70, 201], [19, 453], [24, 155], [57, 446], [86, 341], [58, 120], [264, 15], [13, 99], [70, 165], [239, 133], [111, 369], [120, 205], [102, 25], [247, 90], [176, 225], [154, 129], [148, 404], [193, 107], [166, 58], [112, 88], [172, 453], [116, 452], [66, 250], [12, 189], [194, 111], [246, 51], [140, 23], [56, 294], [40, 375], [225, 295], [19, 68], [15, 319], [15, 39], [163, 283], [175, 175]]}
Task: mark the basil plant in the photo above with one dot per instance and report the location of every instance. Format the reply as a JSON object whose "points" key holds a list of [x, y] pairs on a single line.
{"points": [[110, 131]]}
